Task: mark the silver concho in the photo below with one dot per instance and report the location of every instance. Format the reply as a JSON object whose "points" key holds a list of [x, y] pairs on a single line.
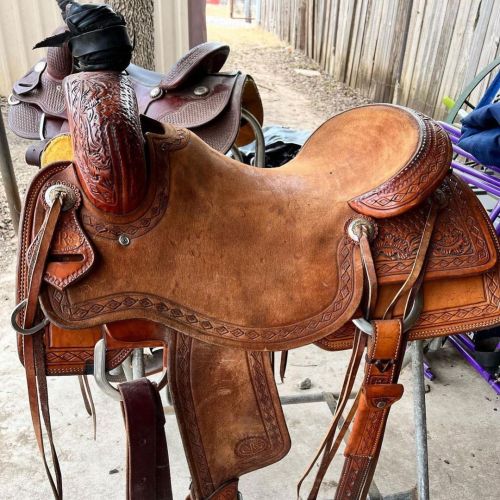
{"points": [[357, 225], [124, 240], [155, 93], [201, 91], [69, 197]]}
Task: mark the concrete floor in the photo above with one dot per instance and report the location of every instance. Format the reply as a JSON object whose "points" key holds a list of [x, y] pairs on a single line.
{"points": [[463, 423]]}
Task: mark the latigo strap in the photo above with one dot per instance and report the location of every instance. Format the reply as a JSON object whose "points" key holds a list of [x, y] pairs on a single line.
{"points": [[148, 471], [34, 360]]}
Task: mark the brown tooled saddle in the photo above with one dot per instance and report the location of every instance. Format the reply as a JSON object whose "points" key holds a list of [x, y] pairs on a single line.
{"points": [[230, 261], [364, 241], [193, 94]]}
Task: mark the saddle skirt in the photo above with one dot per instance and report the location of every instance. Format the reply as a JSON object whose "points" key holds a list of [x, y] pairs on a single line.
{"points": [[263, 258]]}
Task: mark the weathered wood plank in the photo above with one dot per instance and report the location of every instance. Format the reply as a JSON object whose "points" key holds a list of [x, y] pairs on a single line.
{"points": [[412, 52]]}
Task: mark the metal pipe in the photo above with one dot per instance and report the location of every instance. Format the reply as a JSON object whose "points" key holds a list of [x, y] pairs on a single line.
{"points": [[495, 212], [315, 397], [138, 364], [260, 142], [450, 128], [417, 362], [473, 180], [9, 178], [476, 173]]}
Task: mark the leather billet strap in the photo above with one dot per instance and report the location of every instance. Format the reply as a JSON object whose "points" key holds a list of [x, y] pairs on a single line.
{"points": [[379, 390], [148, 471], [378, 393], [329, 446], [33, 348]]}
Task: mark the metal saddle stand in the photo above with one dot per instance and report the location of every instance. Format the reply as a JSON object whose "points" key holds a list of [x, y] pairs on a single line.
{"points": [[413, 354]]}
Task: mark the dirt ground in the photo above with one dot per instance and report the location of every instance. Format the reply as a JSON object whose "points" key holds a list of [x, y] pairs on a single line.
{"points": [[462, 410]]}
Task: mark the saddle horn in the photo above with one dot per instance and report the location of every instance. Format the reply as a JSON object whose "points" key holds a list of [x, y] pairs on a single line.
{"points": [[103, 116]]}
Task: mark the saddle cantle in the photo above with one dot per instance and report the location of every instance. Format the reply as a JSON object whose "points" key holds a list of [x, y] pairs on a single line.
{"points": [[221, 262]]}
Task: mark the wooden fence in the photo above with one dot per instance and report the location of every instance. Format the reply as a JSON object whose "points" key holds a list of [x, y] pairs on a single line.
{"points": [[410, 52]]}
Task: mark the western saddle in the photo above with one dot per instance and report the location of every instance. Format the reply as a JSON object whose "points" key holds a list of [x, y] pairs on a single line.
{"points": [[364, 241]]}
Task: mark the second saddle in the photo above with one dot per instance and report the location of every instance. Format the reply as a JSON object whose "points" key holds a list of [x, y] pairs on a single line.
{"points": [[223, 262], [194, 94]]}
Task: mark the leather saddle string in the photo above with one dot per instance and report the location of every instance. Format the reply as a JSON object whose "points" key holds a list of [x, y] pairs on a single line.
{"points": [[88, 400], [33, 347], [359, 481], [283, 364], [326, 446], [411, 285], [354, 362]]}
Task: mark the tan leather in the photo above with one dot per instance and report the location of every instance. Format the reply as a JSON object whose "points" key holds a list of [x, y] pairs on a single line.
{"points": [[237, 260], [228, 410]]}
